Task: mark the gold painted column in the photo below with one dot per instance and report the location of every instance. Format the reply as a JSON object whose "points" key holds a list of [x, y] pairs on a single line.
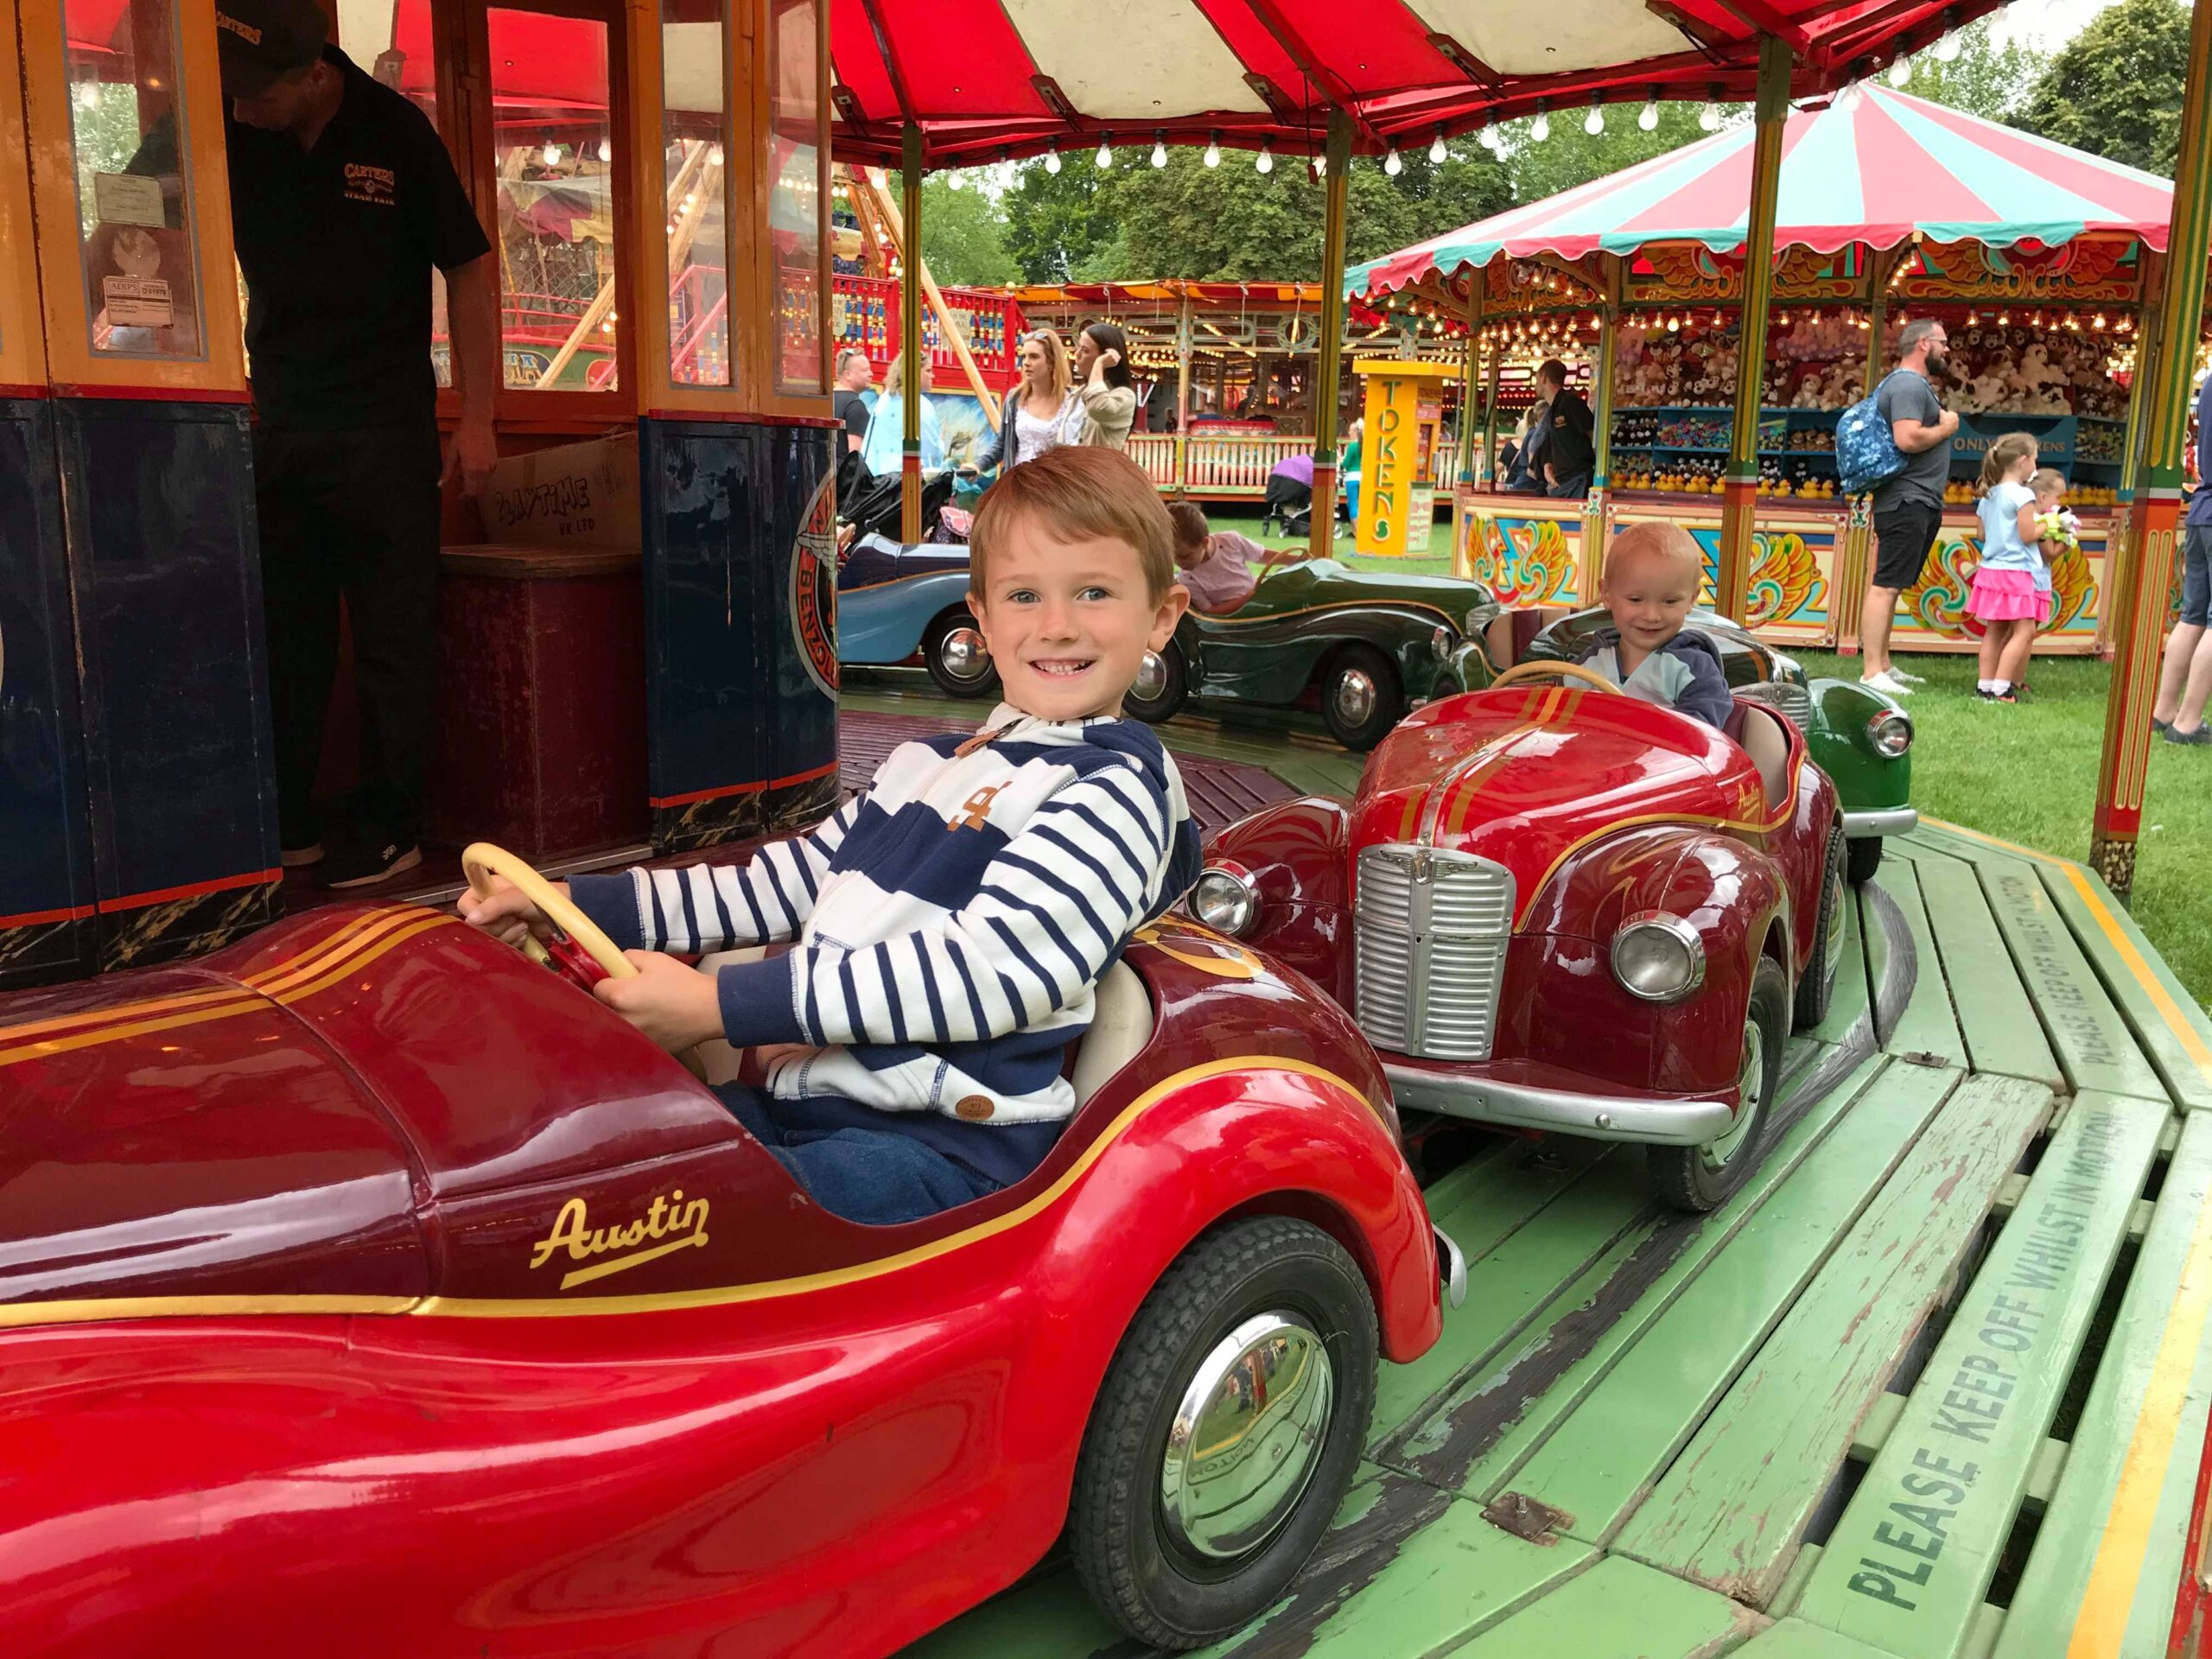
{"points": [[1468, 447], [1337, 157], [1183, 395], [1739, 490], [1597, 507], [915, 383], [2139, 601], [2119, 544]]}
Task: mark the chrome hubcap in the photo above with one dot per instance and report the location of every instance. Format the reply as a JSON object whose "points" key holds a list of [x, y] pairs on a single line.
{"points": [[1839, 896], [1751, 1086], [1354, 694], [963, 654], [1247, 1436], [1152, 677]]}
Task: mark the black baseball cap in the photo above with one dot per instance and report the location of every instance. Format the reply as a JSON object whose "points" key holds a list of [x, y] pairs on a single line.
{"points": [[261, 42]]}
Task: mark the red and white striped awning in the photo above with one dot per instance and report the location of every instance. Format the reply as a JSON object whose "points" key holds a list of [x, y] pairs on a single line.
{"points": [[991, 78]]}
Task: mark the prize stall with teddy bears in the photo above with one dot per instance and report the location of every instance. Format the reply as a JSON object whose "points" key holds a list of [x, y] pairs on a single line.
{"points": [[2038, 259]]}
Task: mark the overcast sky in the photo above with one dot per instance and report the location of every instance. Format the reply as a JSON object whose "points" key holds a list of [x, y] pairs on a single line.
{"points": [[2045, 22]]}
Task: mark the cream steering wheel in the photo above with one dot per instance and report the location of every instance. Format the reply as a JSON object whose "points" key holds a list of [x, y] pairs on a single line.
{"points": [[1521, 671], [480, 860]]}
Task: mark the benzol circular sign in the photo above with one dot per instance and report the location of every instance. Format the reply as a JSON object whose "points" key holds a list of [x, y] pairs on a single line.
{"points": [[813, 593]]}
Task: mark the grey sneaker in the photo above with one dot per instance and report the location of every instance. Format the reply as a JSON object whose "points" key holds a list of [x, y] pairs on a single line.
{"points": [[2201, 738], [1886, 681]]}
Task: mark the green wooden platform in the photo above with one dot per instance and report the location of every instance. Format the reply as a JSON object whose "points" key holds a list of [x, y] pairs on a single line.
{"points": [[1933, 1384]]}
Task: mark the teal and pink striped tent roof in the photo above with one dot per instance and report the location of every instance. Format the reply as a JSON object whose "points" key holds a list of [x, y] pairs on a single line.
{"points": [[1873, 167]]}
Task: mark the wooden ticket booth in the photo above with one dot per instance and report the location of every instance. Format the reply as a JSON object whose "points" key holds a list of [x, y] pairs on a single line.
{"points": [[654, 181]]}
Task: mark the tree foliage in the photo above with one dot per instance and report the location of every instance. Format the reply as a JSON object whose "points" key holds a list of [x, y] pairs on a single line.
{"points": [[2115, 89], [1232, 223], [1571, 156], [1994, 82], [964, 235]]}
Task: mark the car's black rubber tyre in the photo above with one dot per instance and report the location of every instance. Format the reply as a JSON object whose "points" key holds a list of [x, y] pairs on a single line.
{"points": [[1389, 697], [1817, 989], [951, 684], [1681, 1175], [1175, 687], [1123, 1554], [1865, 859]]}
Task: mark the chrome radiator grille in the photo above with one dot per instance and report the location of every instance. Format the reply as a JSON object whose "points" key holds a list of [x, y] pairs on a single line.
{"points": [[1430, 931], [1793, 699]]}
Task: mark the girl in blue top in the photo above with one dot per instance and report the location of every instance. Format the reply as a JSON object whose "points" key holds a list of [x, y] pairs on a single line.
{"points": [[2007, 597]]}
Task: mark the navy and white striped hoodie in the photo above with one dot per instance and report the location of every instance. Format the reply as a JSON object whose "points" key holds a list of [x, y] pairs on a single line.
{"points": [[951, 923]]}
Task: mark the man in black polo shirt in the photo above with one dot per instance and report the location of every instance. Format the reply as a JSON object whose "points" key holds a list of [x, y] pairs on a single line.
{"points": [[342, 199], [1567, 450]]}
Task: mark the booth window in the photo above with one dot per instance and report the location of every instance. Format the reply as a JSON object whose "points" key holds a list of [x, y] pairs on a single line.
{"points": [[554, 166], [694, 133], [795, 191], [134, 187]]}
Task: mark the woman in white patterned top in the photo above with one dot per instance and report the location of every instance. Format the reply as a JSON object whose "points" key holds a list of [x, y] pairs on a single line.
{"points": [[1029, 421]]}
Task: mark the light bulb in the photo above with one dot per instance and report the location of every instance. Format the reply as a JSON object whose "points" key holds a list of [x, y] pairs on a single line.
{"points": [[1105, 154], [1490, 141], [715, 157], [1541, 128], [1158, 154], [1265, 161], [1708, 118], [1648, 118], [1213, 152], [1901, 72], [954, 181], [1052, 161], [1436, 150], [550, 154], [1391, 164], [1947, 49], [1594, 123], [1321, 166], [606, 149]]}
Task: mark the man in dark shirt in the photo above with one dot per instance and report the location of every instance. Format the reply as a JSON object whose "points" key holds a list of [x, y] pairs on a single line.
{"points": [[2185, 678], [845, 402], [1907, 506], [1564, 443], [343, 199]]}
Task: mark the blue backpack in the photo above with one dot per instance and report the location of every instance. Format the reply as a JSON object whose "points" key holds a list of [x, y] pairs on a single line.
{"points": [[1865, 452]]}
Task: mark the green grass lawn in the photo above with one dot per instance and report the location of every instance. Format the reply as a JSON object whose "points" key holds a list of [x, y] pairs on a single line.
{"points": [[2028, 774], [1436, 563]]}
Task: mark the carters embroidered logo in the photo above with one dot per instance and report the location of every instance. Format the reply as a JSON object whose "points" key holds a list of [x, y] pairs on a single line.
{"points": [[245, 32], [374, 184], [975, 811], [813, 595], [676, 1224]]}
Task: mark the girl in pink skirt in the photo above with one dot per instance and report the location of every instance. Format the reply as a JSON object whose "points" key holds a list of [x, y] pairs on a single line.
{"points": [[2006, 598]]}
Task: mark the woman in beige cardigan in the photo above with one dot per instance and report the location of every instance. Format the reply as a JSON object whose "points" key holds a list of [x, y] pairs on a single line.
{"points": [[1105, 402]]}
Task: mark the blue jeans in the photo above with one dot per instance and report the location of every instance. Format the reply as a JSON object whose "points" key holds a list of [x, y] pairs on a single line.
{"points": [[875, 1177], [2196, 577]]}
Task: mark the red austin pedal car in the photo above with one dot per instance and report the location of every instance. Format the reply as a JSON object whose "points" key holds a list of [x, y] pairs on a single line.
{"points": [[1559, 907], [367, 1290]]}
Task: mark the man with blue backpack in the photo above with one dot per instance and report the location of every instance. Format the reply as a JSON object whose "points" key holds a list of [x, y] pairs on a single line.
{"points": [[1897, 443]]}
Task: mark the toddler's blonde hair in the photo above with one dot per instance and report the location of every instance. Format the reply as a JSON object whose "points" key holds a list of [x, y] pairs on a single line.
{"points": [[2047, 481], [1654, 538]]}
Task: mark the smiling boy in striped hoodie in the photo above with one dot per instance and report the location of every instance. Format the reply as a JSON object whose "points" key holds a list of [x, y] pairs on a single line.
{"points": [[952, 921]]}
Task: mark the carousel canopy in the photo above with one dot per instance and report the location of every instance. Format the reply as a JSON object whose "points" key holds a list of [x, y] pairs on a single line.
{"points": [[986, 79], [1875, 167]]}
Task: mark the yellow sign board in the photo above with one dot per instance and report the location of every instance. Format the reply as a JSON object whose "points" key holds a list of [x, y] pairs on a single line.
{"points": [[1391, 492]]}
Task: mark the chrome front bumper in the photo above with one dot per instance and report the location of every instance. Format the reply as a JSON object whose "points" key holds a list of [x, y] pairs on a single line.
{"points": [[1605, 1117], [1451, 1267], [1882, 821]]}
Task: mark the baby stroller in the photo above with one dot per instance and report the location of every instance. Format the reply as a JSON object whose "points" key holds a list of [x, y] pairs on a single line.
{"points": [[1289, 504]]}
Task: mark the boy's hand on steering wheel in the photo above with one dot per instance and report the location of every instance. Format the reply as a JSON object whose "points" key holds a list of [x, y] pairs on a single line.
{"points": [[678, 1007], [504, 913]]}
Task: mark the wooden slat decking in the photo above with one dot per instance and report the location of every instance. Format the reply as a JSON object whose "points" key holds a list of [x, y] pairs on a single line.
{"points": [[1983, 1239]]}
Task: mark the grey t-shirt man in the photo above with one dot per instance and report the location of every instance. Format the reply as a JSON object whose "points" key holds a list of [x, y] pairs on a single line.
{"points": [[1905, 395]]}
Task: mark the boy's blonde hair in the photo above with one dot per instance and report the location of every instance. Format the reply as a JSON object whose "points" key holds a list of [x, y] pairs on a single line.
{"points": [[1078, 495], [1653, 538], [2048, 480]]}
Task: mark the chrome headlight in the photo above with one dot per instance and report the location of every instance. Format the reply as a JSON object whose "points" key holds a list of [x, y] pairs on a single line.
{"points": [[1225, 899], [1891, 733], [1441, 642], [1658, 957], [1788, 668], [1473, 621]]}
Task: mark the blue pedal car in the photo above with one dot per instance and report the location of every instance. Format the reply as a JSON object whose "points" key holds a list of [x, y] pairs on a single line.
{"points": [[894, 601]]}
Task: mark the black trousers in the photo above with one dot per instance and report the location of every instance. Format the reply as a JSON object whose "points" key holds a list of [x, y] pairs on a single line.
{"points": [[351, 516]]}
